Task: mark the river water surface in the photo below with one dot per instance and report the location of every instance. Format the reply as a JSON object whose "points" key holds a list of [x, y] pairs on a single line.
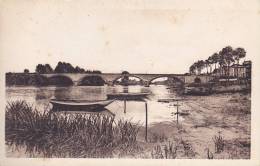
{"points": [[39, 97]]}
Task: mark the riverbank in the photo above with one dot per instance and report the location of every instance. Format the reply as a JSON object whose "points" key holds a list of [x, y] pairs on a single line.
{"points": [[225, 118], [214, 88], [231, 88]]}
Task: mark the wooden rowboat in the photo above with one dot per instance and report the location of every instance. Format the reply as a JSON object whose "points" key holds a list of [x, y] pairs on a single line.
{"points": [[79, 105], [127, 96], [169, 100]]}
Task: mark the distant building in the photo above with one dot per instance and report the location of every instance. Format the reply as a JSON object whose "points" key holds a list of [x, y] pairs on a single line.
{"points": [[248, 66], [235, 71]]}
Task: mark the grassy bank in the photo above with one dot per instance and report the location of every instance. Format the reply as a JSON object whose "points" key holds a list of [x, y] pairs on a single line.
{"points": [[231, 88], [218, 127], [51, 135]]}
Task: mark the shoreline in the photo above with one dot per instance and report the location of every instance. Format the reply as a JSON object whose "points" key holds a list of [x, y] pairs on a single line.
{"points": [[211, 118], [225, 114]]}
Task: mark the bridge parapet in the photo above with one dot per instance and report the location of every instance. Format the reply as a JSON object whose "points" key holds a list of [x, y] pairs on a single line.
{"points": [[110, 78]]}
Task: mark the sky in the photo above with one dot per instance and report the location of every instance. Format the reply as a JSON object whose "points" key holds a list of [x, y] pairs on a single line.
{"points": [[139, 36]]}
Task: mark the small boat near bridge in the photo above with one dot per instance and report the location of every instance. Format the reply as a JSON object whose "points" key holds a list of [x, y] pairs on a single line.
{"points": [[79, 105], [127, 96]]}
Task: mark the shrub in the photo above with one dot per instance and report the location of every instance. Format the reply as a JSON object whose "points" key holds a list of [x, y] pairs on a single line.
{"points": [[219, 143], [166, 151]]}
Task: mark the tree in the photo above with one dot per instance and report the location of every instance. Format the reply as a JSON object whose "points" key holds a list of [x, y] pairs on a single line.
{"points": [[40, 69], [215, 59], [238, 53], [63, 67], [26, 71], [221, 63], [207, 64], [241, 53], [59, 68], [192, 69], [79, 70], [125, 72], [226, 58], [229, 60], [196, 67], [43, 69], [210, 61], [200, 65], [48, 68], [96, 72]]}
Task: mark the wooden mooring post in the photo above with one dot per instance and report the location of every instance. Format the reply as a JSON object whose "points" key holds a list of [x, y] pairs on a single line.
{"points": [[146, 121], [125, 106], [177, 113]]}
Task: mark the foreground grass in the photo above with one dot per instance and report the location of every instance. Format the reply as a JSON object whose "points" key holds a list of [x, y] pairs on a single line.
{"points": [[51, 135]]}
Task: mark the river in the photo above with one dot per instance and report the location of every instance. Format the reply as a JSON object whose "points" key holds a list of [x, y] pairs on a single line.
{"points": [[135, 110]]}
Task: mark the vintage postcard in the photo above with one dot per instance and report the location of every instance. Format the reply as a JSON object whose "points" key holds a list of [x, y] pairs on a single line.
{"points": [[123, 82]]}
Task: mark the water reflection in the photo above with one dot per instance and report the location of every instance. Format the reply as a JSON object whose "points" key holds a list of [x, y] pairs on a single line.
{"points": [[135, 110], [81, 92], [104, 111], [125, 89]]}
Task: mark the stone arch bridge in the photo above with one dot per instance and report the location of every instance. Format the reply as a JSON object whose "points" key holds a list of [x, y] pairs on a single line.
{"points": [[111, 78]]}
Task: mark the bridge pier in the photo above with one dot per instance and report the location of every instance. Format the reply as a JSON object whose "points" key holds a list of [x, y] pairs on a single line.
{"points": [[146, 83], [75, 83], [109, 83]]}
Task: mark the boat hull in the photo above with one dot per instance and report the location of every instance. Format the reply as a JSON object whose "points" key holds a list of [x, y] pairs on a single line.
{"points": [[79, 106], [197, 91], [127, 96]]}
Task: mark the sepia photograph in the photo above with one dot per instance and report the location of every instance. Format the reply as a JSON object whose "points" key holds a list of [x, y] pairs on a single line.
{"points": [[129, 79]]}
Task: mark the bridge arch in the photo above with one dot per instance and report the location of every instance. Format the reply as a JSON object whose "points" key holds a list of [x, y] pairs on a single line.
{"points": [[128, 75], [92, 80], [60, 80], [165, 76]]}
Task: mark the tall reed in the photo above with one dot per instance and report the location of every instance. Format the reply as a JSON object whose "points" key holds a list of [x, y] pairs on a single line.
{"points": [[52, 135], [219, 143]]}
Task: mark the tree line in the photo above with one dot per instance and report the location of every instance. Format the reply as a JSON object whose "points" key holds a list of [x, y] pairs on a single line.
{"points": [[61, 67], [223, 59]]}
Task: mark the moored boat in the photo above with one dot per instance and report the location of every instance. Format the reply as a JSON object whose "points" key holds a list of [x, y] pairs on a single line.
{"points": [[79, 105], [169, 100], [198, 89], [127, 96]]}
